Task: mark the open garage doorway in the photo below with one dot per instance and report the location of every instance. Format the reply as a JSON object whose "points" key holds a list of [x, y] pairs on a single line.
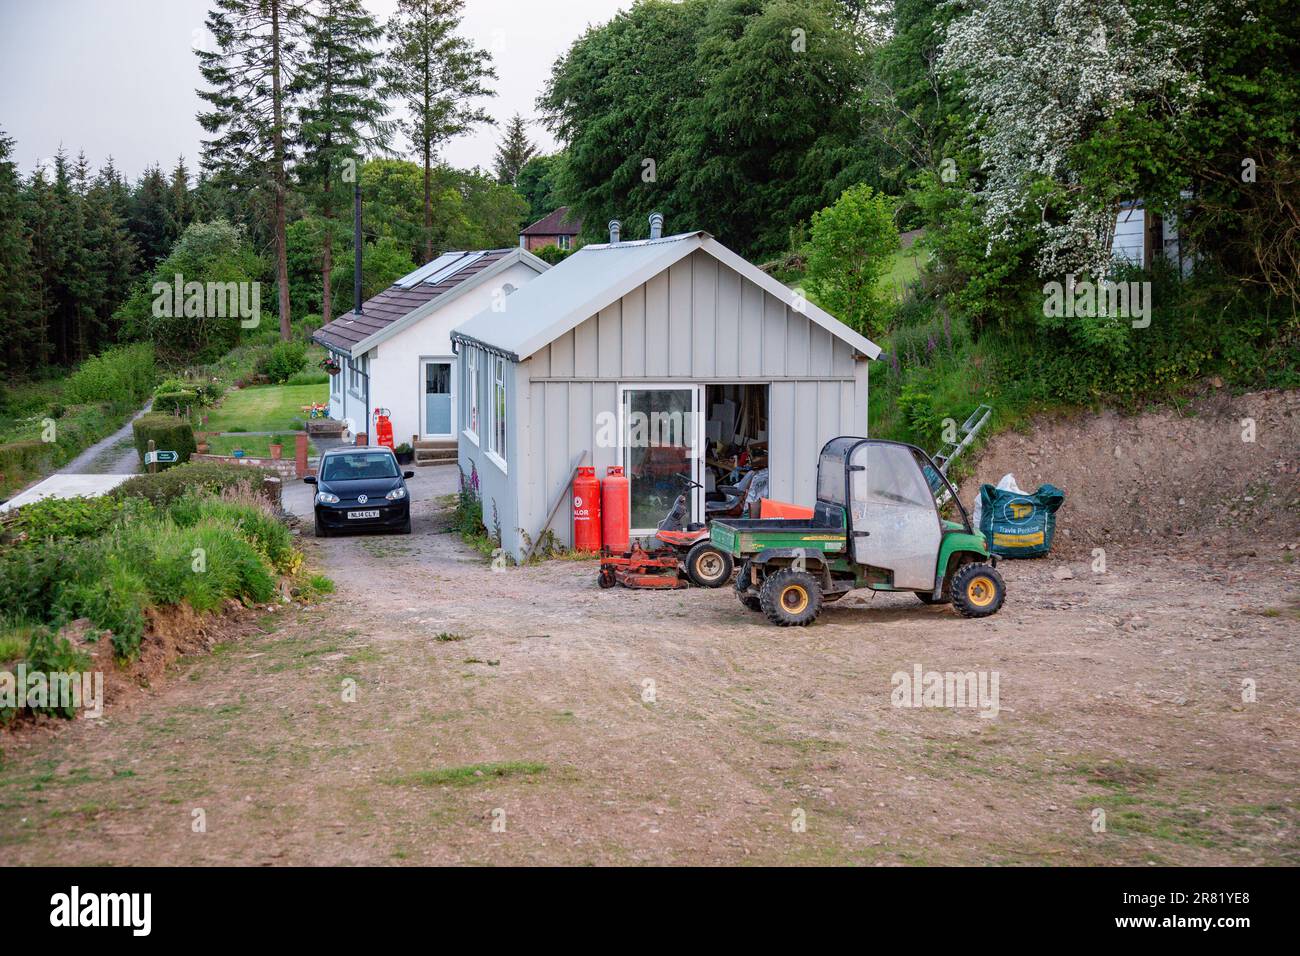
{"points": [[735, 447]]}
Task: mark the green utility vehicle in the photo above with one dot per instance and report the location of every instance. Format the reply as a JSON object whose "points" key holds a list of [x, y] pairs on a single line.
{"points": [[875, 525]]}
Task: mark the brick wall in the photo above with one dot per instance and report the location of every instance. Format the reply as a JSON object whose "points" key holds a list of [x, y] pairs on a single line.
{"points": [[537, 242]]}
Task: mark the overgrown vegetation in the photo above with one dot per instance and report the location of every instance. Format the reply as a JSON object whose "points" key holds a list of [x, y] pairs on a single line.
{"points": [[45, 425], [175, 538], [206, 477], [467, 517]]}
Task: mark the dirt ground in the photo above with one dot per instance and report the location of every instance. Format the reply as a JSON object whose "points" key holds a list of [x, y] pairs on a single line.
{"points": [[526, 716]]}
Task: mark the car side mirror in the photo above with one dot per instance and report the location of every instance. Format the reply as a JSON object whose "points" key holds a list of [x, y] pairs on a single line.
{"points": [[310, 480], [408, 474]]}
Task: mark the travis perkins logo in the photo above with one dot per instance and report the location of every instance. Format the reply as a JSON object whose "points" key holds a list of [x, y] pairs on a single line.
{"points": [[103, 909]]}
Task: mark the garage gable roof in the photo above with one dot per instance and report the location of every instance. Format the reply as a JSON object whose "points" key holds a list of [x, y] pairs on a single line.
{"points": [[597, 275]]}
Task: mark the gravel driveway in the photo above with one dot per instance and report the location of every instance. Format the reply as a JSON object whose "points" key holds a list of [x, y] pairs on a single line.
{"points": [[526, 716]]}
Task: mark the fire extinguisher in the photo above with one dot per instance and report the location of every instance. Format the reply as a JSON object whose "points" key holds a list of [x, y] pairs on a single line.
{"points": [[383, 428], [586, 510], [616, 519]]}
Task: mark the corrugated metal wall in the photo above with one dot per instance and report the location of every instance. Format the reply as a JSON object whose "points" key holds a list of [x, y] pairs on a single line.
{"points": [[698, 322]]}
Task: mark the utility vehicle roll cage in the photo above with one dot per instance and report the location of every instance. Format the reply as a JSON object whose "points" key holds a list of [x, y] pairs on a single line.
{"points": [[837, 456]]}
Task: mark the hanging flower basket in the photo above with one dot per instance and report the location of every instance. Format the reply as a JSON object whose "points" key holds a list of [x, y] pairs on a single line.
{"points": [[331, 366]]}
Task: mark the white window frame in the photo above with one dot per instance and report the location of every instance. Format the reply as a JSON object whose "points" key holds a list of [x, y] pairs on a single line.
{"points": [[472, 395], [356, 369], [497, 418], [563, 242], [698, 395]]}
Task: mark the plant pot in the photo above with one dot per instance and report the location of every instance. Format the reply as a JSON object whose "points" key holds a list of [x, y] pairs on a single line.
{"points": [[201, 448], [276, 452], [405, 457]]}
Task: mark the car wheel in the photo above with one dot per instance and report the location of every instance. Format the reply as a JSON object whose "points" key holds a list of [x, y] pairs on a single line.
{"points": [[708, 566], [791, 598], [977, 590], [406, 528], [321, 531]]}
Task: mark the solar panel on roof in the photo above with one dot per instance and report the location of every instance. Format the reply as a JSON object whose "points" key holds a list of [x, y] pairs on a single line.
{"points": [[429, 268], [452, 268]]}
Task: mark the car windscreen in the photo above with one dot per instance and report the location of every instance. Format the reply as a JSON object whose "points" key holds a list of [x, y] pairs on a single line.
{"points": [[359, 466]]}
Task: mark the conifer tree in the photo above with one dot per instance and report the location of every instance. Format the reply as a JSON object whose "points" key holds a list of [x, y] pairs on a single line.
{"points": [[342, 114], [514, 152], [436, 75], [250, 77]]}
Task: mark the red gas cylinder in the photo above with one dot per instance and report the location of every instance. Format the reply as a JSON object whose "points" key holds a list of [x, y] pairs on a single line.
{"points": [[586, 511], [383, 428], [615, 515]]}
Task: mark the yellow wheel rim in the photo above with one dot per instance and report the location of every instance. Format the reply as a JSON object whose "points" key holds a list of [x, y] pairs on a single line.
{"points": [[709, 565], [794, 599], [981, 591]]}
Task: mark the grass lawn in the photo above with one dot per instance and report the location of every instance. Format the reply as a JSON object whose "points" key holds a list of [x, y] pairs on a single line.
{"points": [[903, 268], [265, 408], [254, 446]]}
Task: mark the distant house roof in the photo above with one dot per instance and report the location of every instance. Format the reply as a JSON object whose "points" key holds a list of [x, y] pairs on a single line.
{"points": [[417, 295], [597, 275], [555, 224]]}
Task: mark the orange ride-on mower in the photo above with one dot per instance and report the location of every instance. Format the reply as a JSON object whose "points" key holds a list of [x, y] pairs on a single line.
{"points": [[707, 565], [639, 568], [687, 554]]}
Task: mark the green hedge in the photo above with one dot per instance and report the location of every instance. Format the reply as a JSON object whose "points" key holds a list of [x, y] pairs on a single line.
{"points": [[168, 432], [175, 401], [211, 477], [20, 457]]}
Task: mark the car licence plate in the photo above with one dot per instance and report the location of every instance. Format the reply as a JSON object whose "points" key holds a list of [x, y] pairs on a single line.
{"points": [[363, 514]]}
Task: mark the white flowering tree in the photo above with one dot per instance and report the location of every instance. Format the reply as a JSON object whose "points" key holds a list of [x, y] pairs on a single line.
{"points": [[1041, 77]]}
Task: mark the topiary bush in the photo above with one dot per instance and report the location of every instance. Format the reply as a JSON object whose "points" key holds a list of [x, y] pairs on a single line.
{"points": [[168, 432], [175, 401]]}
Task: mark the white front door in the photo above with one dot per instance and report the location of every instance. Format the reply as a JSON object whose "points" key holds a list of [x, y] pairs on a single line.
{"points": [[438, 398], [661, 434]]}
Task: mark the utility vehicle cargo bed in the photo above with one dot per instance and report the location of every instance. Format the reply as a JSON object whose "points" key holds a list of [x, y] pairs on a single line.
{"points": [[825, 531]]}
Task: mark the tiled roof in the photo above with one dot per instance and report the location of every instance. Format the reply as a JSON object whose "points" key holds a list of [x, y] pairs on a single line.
{"points": [[395, 303], [556, 224]]}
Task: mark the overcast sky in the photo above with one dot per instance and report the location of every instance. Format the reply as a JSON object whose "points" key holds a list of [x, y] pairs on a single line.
{"points": [[117, 77]]}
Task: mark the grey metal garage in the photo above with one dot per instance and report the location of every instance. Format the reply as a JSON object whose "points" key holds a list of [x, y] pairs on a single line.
{"points": [[679, 333]]}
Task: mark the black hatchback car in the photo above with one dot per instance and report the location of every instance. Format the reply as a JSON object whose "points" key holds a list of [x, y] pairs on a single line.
{"points": [[361, 489]]}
